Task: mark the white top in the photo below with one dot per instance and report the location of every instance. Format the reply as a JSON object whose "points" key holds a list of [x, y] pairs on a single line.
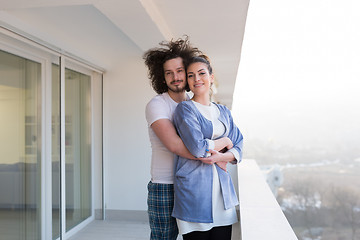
{"points": [[161, 106], [221, 216]]}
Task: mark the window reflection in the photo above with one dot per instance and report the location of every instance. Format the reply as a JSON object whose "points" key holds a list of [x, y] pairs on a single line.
{"points": [[20, 147], [77, 147]]}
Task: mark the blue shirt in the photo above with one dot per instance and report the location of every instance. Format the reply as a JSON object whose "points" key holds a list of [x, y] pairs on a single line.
{"points": [[193, 179]]}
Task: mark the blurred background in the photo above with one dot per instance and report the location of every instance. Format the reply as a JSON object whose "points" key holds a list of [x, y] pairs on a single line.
{"points": [[297, 104]]}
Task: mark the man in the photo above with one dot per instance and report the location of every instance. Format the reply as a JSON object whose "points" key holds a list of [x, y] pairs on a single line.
{"points": [[167, 74], [168, 78]]}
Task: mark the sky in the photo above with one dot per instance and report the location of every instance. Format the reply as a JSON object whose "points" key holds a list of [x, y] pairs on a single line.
{"points": [[299, 76]]}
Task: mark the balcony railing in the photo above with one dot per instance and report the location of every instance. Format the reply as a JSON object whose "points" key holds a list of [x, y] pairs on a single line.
{"points": [[260, 214]]}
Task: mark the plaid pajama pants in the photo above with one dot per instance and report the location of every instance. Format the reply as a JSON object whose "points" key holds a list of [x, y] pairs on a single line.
{"points": [[160, 205]]}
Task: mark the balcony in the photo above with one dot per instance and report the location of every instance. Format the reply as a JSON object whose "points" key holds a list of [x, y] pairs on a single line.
{"points": [[260, 215]]}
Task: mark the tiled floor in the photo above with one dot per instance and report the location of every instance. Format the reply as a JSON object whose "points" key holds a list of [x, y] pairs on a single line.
{"points": [[121, 230], [96, 230], [114, 230]]}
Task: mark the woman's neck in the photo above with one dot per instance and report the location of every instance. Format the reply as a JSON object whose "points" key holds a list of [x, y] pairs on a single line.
{"points": [[204, 100]]}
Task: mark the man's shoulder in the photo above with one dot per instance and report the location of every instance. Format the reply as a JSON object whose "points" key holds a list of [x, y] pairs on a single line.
{"points": [[158, 107], [158, 99], [163, 97]]}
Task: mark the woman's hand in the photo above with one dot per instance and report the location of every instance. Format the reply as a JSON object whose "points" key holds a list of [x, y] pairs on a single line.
{"points": [[229, 144], [222, 165], [216, 157], [223, 144]]}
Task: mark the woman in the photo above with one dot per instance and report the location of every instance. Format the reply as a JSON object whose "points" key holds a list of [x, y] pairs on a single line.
{"points": [[205, 197]]}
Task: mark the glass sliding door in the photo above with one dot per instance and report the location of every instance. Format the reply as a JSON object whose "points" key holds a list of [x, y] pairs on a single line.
{"points": [[55, 150], [45, 142], [20, 148], [77, 147]]}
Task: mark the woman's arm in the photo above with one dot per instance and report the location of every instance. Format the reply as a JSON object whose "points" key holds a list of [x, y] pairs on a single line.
{"points": [[190, 131], [236, 137], [230, 154], [165, 131], [222, 144]]}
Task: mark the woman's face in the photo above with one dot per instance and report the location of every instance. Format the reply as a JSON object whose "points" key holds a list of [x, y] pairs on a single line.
{"points": [[199, 78]]}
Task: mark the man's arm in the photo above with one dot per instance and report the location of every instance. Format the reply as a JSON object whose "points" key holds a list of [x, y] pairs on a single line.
{"points": [[165, 131]]}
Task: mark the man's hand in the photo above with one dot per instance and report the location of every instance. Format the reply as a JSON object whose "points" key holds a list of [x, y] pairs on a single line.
{"points": [[216, 157]]}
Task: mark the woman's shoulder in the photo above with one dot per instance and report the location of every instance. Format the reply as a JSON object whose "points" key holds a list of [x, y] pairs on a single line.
{"points": [[221, 106], [186, 104], [184, 107]]}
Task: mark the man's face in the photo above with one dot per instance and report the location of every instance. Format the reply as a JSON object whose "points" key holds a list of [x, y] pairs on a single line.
{"points": [[175, 75]]}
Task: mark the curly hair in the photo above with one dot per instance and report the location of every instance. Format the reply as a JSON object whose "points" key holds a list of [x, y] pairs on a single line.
{"points": [[156, 57]]}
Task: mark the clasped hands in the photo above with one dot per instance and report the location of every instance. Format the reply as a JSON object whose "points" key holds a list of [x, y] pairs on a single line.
{"points": [[217, 157]]}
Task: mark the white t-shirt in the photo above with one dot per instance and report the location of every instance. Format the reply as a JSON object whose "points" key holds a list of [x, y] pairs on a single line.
{"points": [[221, 217], [161, 106]]}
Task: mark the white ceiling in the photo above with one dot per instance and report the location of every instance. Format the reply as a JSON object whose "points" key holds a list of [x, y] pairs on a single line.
{"points": [[216, 27]]}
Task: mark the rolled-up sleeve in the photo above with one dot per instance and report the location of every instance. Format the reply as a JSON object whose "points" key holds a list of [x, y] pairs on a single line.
{"points": [[236, 137]]}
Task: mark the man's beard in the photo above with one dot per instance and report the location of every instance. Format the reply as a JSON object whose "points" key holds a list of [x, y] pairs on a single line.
{"points": [[176, 89]]}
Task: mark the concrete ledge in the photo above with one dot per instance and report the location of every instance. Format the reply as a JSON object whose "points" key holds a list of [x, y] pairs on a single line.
{"points": [[260, 215]]}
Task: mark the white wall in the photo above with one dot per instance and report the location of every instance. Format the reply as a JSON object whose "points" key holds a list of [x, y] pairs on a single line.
{"points": [[127, 90], [126, 145]]}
